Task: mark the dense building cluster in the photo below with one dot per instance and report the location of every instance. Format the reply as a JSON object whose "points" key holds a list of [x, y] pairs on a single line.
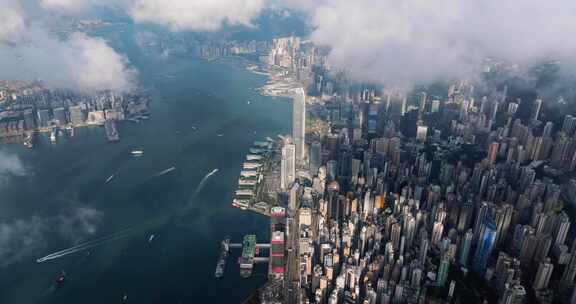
{"points": [[419, 198], [26, 107]]}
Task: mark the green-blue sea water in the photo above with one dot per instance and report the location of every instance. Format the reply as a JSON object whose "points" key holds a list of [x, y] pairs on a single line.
{"points": [[178, 265]]}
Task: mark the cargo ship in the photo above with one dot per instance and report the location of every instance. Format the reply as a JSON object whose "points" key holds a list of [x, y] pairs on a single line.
{"points": [[247, 258], [221, 266]]}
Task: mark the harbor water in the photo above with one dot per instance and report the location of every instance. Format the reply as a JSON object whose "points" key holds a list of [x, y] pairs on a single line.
{"points": [[65, 194]]}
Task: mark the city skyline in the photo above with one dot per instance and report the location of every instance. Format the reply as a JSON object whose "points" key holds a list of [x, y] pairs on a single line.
{"points": [[374, 152]]}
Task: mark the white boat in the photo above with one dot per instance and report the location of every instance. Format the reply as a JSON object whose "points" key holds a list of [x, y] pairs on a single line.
{"points": [[137, 152], [111, 177], [220, 135], [53, 136], [151, 238]]}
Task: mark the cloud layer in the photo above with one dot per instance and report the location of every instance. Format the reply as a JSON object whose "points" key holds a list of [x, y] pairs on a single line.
{"points": [[197, 15], [28, 51], [25, 238], [402, 42], [387, 41], [10, 165]]}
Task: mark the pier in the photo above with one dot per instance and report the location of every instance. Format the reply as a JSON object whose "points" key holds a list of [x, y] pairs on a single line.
{"points": [[238, 245], [250, 251]]}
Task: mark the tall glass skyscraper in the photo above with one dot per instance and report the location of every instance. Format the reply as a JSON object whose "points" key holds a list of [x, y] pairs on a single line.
{"points": [[288, 166], [485, 244], [299, 123]]}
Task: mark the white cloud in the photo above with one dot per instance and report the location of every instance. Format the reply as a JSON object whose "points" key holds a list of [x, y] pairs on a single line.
{"points": [[23, 238], [389, 41], [10, 165], [28, 51], [78, 6], [79, 62], [402, 42], [67, 5], [11, 20], [196, 15]]}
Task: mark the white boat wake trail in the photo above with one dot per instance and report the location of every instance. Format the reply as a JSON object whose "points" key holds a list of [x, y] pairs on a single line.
{"points": [[203, 182], [126, 232], [85, 245], [199, 188]]}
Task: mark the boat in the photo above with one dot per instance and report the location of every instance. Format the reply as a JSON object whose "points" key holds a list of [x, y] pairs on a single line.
{"points": [[137, 152], [248, 102], [221, 265], [111, 177], [220, 135], [151, 238], [125, 297], [194, 128], [53, 136], [29, 141], [61, 279]]}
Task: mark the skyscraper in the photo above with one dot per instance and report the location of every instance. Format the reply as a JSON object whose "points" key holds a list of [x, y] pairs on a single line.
{"points": [[288, 166], [536, 109], [493, 152], [315, 157], [442, 272], [569, 272], [543, 275], [485, 244], [299, 123], [465, 249], [569, 125], [437, 233], [548, 128]]}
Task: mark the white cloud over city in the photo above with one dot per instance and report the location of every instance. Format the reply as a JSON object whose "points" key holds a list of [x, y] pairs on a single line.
{"points": [[402, 42], [28, 51], [395, 42], [198, 15]]}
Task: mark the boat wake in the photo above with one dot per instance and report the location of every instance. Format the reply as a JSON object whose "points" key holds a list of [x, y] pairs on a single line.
{"points": [[86, 245], [199, 188], [203, 182], [165, 171], [127, 232]]}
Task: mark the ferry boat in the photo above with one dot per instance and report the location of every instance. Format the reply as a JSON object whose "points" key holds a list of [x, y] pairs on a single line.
{"points": [[110, 178], [61, 279], [53, 135], [29, 141]]}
